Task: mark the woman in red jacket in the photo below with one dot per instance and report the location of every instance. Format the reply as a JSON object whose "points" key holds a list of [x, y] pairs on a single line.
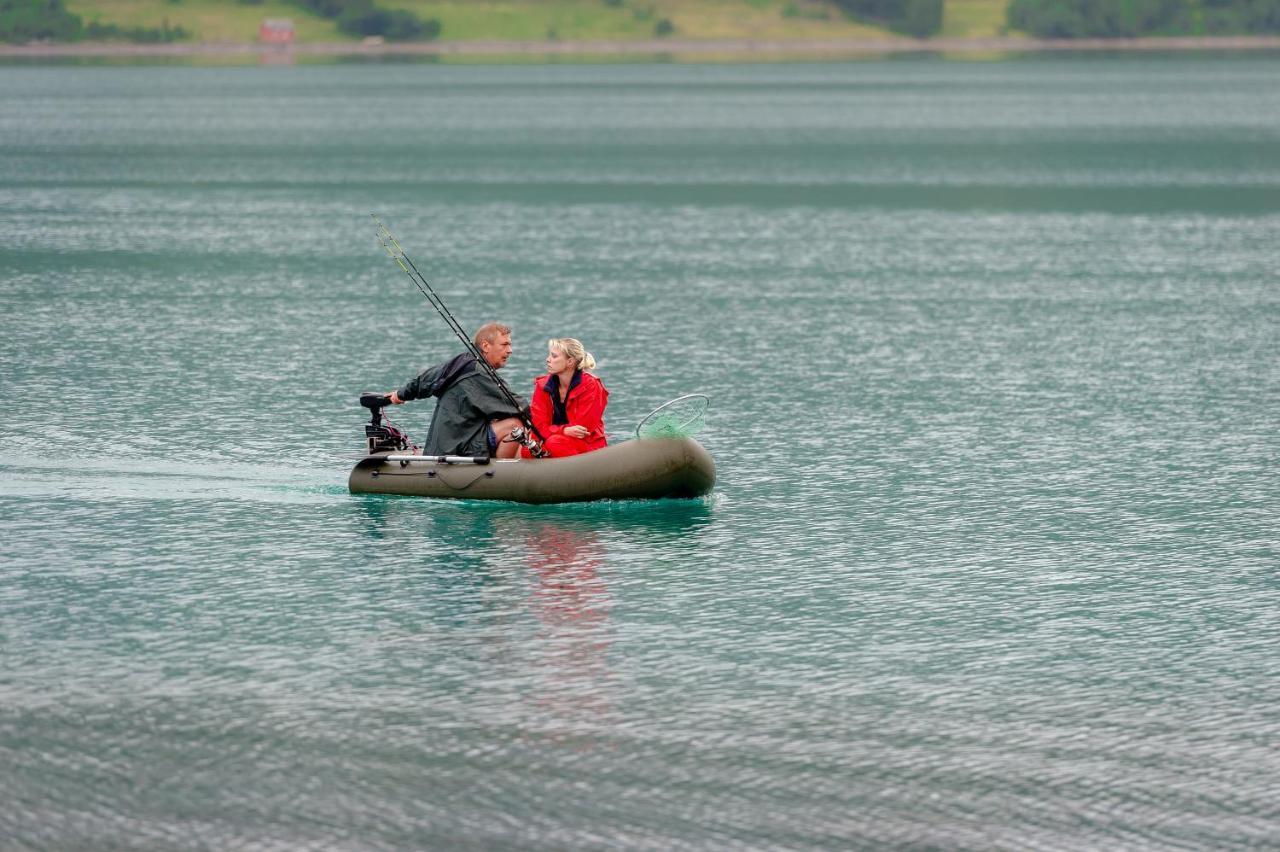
{"points": [[569, 401]]}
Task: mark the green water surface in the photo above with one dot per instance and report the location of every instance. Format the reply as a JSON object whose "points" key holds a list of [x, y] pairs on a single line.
{"points": [[994, 358]]}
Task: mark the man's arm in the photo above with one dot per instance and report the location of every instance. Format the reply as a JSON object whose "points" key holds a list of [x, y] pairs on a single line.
{"points": [[417, 387]]}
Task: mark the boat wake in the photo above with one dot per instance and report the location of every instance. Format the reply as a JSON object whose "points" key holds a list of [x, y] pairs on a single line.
{"points": [[98, 478]]}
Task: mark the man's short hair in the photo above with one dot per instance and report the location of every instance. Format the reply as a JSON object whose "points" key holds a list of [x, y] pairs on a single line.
{"points": [[490, 332]]}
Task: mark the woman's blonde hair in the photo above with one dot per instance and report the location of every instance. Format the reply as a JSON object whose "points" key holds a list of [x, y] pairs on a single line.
{"points": [[573, 349]]}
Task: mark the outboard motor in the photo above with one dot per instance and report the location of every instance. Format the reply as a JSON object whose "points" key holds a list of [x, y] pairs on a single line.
{"points": [[382, 437]]}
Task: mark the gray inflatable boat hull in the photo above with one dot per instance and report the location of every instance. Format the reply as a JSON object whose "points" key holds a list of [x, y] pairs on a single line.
{"points": [[641, 469]]}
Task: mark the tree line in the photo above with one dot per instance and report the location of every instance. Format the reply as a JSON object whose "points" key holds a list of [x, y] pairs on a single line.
{"points": [[919, 18], [49, 20], [34, 20], [365, 18], [1130, 18], [1088, 18]]}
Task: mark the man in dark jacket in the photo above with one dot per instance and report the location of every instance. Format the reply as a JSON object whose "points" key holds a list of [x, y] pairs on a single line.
{"points": [[472, 417]]}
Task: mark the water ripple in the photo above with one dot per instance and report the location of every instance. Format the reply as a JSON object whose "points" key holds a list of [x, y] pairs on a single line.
{"points": [[991, 560]]}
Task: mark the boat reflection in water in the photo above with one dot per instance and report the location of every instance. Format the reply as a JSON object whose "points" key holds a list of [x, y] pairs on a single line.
{"points": [[571, 602], [511, 608], [573, 559]]}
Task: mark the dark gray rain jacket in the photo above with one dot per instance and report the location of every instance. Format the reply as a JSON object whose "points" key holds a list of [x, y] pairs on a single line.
{"points": [[466, 400]]}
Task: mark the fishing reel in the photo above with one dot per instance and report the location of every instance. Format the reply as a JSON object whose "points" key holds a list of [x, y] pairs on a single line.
{"points": [[530, 443], [381, 436]]}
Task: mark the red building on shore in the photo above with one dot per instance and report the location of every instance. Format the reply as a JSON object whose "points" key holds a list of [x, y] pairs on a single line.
{"points": [[276, 31]]}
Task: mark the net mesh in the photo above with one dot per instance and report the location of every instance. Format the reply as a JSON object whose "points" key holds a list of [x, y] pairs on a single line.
{"points": [[680, 418]]}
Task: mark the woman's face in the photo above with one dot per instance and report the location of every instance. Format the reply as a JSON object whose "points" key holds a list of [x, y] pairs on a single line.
{"points": [[557, 361]]}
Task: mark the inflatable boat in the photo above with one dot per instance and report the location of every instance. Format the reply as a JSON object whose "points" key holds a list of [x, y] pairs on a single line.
{"points": [[637, 469]]}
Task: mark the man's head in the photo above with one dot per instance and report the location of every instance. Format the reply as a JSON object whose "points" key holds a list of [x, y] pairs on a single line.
{"points": [[493, 339]]}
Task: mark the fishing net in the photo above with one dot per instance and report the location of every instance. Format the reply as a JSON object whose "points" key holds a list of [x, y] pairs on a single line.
{"points": [[682, 417]]}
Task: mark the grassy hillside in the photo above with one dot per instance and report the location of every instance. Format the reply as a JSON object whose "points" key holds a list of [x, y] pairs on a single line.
{"points": [[469, 20], [207, 20], [636, 19], [973, 18]]}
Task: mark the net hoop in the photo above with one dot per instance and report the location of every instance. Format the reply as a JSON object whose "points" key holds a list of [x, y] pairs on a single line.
{"points": [[680, 420]]}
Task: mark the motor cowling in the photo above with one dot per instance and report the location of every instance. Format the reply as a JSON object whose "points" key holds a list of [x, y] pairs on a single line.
{"points": [[380, 436]]}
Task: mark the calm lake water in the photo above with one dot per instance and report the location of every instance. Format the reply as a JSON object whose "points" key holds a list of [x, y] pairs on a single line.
{"points": [[994, 358]]}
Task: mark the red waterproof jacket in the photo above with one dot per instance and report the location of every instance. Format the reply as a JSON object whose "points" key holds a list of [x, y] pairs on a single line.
{"points": [[584, 407]]}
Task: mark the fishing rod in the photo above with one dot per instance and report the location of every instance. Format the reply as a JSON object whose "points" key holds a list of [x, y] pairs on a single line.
{"points": [[392, 246]]}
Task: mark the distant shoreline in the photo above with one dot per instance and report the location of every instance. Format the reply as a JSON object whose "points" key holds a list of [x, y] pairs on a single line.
{"points": [[650, 47]]}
